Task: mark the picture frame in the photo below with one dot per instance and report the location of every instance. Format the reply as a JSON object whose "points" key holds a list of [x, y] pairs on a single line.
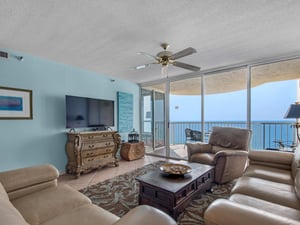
{"points": [[15, 103]]}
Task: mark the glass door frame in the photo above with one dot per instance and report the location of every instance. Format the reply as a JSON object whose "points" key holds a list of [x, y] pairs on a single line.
{"points": [[157, 119]]}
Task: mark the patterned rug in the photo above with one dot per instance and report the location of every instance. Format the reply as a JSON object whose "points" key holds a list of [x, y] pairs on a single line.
{"points": [[120, 194]]}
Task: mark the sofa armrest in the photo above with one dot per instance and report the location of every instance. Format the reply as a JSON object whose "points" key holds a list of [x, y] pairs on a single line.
{"points": [[193, 148], [282, 160], [225, 212], [20, 182], [145, 215]]}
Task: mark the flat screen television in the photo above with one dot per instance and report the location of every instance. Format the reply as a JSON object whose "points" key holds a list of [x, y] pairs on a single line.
{"points": [[84, 112]]}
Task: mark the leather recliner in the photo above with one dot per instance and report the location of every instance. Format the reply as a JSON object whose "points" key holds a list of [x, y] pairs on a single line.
{"points": [[227, 150]]}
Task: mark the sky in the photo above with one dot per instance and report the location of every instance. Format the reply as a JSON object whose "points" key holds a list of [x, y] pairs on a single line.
{"points": [[270, 102]]}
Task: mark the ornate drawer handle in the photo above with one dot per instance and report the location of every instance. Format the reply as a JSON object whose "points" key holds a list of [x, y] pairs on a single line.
{"points": [[91, 146]]}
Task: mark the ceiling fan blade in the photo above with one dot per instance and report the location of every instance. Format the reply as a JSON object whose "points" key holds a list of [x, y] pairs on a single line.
{"points": [[184, 52], [148, 55], [144, 66], [186, 66]]}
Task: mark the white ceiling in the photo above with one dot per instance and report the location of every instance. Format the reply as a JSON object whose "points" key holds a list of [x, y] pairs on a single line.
{"points": [[104, 35]]}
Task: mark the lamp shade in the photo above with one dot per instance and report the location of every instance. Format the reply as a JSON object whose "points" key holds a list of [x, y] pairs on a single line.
{"points": [[293, 111]]}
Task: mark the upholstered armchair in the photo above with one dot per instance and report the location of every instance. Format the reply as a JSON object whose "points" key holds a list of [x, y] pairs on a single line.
{"points": [[227, 150]]}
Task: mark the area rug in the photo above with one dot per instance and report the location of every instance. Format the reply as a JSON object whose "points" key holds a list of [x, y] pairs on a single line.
{"points": [[120, 194]]}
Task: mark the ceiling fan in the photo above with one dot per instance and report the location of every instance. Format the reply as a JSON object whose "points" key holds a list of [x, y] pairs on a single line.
{"points": [[165, 58]]}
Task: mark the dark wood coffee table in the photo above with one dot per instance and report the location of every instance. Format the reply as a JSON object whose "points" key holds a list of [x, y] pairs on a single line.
{"points": [[172, 193]]}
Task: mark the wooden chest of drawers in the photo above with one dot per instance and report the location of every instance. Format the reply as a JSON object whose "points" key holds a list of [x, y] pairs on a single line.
{"points": [[89, 150]]}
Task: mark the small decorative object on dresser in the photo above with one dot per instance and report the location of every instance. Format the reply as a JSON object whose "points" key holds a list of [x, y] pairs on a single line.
{"points": [[132, 151], [89, 150]]}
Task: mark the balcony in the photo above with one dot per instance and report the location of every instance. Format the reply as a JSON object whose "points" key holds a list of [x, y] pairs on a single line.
{"points": [[269, 135]]}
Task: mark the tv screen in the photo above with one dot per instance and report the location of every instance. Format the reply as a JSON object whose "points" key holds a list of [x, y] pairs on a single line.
{"points": [[89, 112]]}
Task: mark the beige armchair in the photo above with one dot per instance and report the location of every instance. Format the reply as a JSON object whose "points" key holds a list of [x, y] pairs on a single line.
{"points": [[227, 150]]}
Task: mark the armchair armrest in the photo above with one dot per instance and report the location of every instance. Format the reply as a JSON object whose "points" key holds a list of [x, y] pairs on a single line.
{"points": [[23, 181], [193, 148], [145, 215], [270, 158], [229, 153], [225, 212]]}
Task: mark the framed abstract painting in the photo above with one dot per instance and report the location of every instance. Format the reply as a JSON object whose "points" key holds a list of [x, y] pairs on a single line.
{"points": [[15, 103]]}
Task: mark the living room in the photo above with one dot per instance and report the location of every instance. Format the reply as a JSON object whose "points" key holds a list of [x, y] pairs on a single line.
{"points": [[62, 54]]}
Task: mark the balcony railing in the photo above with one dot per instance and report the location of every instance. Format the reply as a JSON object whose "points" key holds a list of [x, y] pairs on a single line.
{"points": [[265, 135]]}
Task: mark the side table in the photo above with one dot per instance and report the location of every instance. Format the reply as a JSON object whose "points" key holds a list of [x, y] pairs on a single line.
{"points": [[132, 151]]}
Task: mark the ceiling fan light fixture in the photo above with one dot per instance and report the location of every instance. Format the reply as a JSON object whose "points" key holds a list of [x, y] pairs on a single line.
{"points": [[140, 67], [165, 58], [164, 71], [165, 46]]}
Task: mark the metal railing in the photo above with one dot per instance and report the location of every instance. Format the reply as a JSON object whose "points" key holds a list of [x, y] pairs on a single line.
{"points": [[265, 135]]}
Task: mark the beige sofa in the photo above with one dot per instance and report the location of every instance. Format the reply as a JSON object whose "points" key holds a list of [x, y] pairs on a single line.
{"points": [[267, 193], [31, 196]]}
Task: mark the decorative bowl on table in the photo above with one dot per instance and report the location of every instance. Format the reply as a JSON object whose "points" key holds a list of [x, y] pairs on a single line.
{"points": [[175, 169]]}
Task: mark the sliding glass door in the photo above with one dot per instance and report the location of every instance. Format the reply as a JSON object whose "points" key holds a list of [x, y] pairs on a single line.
{"points": [[225, 100], [185, 115], [273, 88], [153, 121]]}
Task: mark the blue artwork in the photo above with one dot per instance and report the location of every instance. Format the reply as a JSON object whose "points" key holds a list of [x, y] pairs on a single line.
{"points": [[125, 112], [9, 103]]}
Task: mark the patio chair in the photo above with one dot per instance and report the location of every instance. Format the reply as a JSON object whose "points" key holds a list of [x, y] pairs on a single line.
{"points": [[192, 136], [227, 150]]}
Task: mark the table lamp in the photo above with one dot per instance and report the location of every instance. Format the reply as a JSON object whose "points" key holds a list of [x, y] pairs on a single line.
{"points": [[294, 112]]}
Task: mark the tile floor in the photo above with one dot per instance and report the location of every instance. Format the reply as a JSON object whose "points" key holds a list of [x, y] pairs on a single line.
{"points": [[106, 172]]}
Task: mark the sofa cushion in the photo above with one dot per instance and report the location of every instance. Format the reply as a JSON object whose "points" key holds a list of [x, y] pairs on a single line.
{"points": [[269, 173], [3, 193], [46, 204], [297, 184], [8, 213], [296, 162], [146, 215], [279, 193], [275, 159], [25, 177], [87, 214], [266, 206]]}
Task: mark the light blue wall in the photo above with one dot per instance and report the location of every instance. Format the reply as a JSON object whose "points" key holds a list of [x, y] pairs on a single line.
{"points": [[42, 140]]}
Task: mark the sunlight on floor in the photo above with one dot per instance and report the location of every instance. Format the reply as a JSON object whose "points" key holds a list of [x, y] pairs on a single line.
{"points": [[106, 172]]}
